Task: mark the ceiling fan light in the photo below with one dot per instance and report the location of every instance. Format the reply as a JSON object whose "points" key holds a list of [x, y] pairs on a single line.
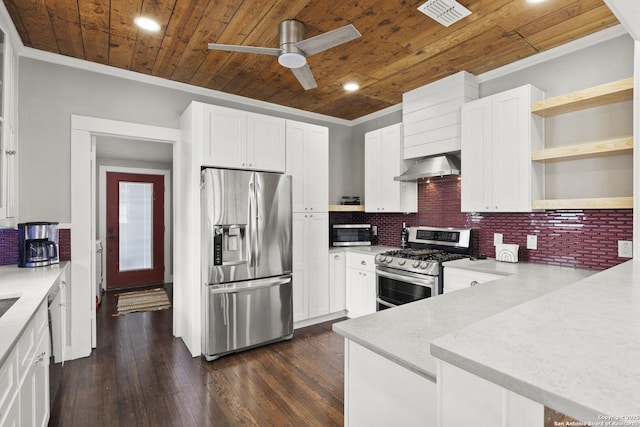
{"points": [[147, 24], [292, 60]]}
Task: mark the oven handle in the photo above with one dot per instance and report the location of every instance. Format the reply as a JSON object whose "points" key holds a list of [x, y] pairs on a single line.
{"points": [[409, 279], [385, 303]]}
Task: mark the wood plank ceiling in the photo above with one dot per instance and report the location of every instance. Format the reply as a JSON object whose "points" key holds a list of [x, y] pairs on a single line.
{"points": [[400, 48]]}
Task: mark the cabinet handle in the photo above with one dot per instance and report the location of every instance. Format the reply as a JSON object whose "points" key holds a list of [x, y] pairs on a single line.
{"points": [[336, 257], [474, 282], [10, 152], [363, 262], [39, 358]]}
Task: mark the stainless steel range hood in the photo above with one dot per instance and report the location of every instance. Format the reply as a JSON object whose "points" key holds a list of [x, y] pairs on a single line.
{"points": [[446, 164]]}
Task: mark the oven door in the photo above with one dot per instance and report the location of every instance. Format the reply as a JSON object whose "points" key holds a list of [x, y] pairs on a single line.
{"points": [[396, 287]]}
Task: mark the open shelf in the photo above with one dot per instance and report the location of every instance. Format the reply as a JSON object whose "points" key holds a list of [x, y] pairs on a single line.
{"points": [[346, 208], [596, 203], [609, 93], [584, 151]]}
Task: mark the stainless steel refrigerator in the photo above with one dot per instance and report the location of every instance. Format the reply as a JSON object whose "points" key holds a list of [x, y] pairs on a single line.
{"points": [[246, 265]]}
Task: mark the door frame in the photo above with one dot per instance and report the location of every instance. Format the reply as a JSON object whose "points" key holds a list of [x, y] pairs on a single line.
{"points": [[102, 205], [84, 131]]}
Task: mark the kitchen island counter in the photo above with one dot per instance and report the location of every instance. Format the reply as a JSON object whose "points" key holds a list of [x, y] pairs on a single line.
{"points": [[404, 334], [573, 350], [32, 286]]}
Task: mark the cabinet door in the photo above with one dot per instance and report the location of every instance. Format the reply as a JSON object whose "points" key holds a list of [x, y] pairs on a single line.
{"points": [[317, 169], [41, 383], [511, 149], [369, 304], [224, 137], [317, 263], [477, 156], [265, 143], [308, 164], [337, 282], [295, 162], [389, 165], [372, 173], [299, 256], [354, 292]]}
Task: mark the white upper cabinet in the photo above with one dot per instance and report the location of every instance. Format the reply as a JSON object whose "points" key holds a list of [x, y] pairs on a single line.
{"points": [[498, 134], [308, 164], [242, 140], [383, 161], [8, 129]]}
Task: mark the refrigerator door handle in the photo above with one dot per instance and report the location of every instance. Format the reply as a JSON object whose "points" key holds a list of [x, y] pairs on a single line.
{"points": [[252, 233], [258, 219], [250, 285]]}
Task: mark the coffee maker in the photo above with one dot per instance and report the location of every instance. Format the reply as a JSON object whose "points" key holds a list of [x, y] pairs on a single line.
{"points": [[38, 244]]}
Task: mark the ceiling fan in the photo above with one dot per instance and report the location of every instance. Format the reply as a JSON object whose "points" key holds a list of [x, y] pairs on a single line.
{"points": [[294, 49]]}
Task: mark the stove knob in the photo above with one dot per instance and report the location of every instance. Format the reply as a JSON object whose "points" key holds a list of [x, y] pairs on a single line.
{"points": [[380, 258], [402, 262], [416, 264], [423, 264], [388, 260]]}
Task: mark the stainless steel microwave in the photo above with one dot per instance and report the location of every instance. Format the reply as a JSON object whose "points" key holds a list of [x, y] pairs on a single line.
{"points": [[351, 234]]}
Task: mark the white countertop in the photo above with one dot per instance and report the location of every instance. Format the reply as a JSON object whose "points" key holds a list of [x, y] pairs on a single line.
{"points": [[404, 334], [574, 350], [32, 286]]}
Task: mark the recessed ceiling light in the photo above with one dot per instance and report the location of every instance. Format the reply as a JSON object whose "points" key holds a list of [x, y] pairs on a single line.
{"points": [[147, 24], [351, 86], [536, 1]]}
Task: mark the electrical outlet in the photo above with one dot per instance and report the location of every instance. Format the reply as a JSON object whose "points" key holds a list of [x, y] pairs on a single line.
{"points": [[497, 239], [532, 242], [625, 248]]}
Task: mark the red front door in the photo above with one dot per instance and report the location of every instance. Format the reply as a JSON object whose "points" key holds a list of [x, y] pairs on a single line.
{"points": [[135, 229]]}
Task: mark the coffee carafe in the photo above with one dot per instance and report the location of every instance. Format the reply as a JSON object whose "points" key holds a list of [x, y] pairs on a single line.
{"points": [[38, 244]]}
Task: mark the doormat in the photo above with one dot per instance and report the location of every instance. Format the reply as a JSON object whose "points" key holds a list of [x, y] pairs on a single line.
{"points": [[149, 300]]}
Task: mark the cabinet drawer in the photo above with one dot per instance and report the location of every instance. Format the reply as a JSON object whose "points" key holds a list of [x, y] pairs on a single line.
{"points": [[361, 261], [456, 279], [8, 382]]}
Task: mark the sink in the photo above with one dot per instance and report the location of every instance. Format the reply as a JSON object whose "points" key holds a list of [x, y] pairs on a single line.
{"points": [[5, 304]]}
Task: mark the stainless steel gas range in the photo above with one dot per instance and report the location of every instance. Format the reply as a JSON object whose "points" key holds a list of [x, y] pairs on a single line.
{"points": [[414, 273]]}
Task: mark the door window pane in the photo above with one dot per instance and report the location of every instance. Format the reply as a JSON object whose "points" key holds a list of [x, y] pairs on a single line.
{"points": [[136, 226]]}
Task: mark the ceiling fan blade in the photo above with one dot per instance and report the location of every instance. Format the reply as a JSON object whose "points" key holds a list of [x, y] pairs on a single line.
{"points": [[246, 49], [328, 40], [304, 76]]}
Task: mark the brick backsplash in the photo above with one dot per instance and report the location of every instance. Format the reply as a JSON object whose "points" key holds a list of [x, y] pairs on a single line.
{"points": [[577, 238], [9, 245]]}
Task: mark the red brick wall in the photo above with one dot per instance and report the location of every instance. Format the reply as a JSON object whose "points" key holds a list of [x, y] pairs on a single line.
{"points": [[579, 238]]}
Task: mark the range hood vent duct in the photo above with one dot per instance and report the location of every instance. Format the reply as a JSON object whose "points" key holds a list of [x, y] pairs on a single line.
{"points": [[431, 166]]}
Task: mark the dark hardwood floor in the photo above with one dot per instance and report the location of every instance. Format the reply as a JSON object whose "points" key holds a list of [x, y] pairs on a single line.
{"points": [[140, 375]]}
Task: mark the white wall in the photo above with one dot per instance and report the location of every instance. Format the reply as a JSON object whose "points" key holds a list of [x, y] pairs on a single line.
{"points": [[50, 93]]}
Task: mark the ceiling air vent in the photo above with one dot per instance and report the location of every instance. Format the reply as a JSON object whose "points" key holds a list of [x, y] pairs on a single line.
{"points": [[446, 12]]}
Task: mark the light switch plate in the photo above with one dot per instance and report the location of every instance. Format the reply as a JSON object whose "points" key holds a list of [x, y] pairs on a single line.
{"points": [[625, 249], [532, 242], [497, 239]]}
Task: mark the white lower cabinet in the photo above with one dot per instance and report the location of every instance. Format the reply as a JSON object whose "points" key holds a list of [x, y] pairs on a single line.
{"points": [[360, 284], [337, 281], [310, 265], [456, 278], [24, 377], [379, 392], [465, 399]]}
